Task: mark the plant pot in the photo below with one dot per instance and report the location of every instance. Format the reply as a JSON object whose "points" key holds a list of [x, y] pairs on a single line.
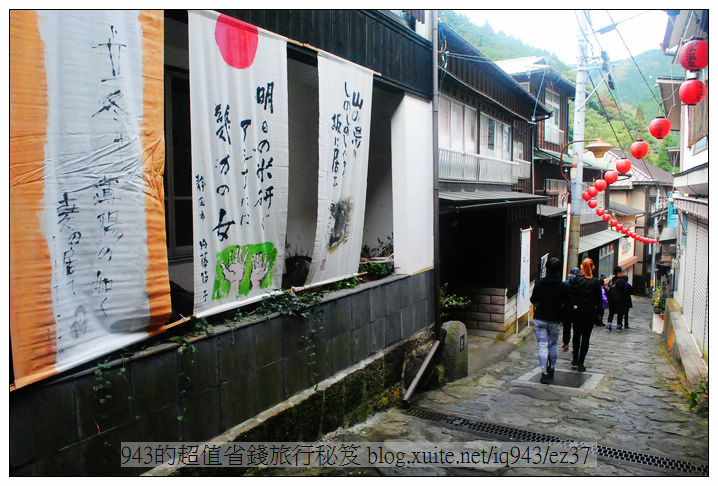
{"points": [[656, 310], [386, 262]]}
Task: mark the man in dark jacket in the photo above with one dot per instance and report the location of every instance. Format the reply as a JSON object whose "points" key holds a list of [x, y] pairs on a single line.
{"points": [[552, 302], [619, 299]]}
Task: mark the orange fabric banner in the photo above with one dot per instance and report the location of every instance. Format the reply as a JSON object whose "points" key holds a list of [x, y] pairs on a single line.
{"points": [[32, 325], [86, 143]]}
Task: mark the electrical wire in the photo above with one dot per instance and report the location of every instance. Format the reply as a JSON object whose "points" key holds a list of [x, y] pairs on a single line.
{"points": [[660, 107], [600, 102]]}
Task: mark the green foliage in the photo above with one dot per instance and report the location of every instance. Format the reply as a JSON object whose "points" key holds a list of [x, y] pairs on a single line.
{"points": [[636, 95], [698, 399], [451, 301], [348, 283], [103, 386], [373, 269], [293, 304]]}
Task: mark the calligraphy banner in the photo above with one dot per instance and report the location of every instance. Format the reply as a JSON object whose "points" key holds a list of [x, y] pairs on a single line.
{"points": [[345, 96], [240, 153], [523, 296], [88, 271]]}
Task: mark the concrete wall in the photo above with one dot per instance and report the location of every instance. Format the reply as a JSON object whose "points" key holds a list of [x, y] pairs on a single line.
{"points": [[170, 394]]}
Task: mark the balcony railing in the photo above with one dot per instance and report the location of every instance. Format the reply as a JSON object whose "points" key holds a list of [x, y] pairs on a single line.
{"points": [[553, 134], [522, 169], [463, 167]]}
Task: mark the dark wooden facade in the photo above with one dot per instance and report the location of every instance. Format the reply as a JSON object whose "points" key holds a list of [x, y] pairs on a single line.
{"points": [[369, 38], [566, 91], [481, 84]]}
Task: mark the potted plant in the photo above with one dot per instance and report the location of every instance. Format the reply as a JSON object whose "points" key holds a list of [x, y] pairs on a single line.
{"points": [[377, 262]]}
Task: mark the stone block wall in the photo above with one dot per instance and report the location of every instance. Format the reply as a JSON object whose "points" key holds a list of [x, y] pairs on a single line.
{"points": [[490, 310], [169, 393]]}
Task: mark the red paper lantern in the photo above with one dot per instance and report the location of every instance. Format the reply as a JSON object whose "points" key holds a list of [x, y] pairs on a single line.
{"points": [[694, 55], [600, 184], [625, 230], [692, 91], [586, 196], [639, 149], [660, 127], [592, 203], [606, 216], [600, 211], [614, 222], [610, 176], [592, 191], [623, 165], [619, 227]]}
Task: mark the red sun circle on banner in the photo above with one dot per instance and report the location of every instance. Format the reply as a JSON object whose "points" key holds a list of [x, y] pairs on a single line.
{"points": [[237, 41]]}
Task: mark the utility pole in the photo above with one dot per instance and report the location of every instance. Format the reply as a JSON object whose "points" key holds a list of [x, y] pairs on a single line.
{"points": [[435, 155], [654, 245], [579, 125]]}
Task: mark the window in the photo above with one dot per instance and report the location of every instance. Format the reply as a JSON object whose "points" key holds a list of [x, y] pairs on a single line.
{"points": [[457, 126], [178, 160], [552, 129], [495, 138]]}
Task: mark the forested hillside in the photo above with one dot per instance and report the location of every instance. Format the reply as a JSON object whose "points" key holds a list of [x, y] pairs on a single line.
{"points": [[635, 92]]}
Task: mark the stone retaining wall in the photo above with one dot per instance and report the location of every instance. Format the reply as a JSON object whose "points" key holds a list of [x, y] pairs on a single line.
{"points": [[171, 394]]}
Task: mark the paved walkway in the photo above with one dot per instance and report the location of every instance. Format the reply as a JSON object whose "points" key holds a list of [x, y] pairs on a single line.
{"points": [[631, 401]]}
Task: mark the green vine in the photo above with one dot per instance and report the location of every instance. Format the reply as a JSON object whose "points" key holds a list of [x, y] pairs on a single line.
{"points": [[698, 399], [293, 304]]}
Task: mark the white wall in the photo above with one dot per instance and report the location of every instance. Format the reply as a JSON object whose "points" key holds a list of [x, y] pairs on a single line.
{"points": [[378, 219], [303, 157], [412, 184]]}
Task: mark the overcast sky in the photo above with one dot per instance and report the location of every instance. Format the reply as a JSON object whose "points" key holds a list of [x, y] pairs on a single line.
{"points": [[557, 30]]}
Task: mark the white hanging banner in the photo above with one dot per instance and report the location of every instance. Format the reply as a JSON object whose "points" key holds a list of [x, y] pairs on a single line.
{"points": [[345, 95], [239, 117], [523, 296]]}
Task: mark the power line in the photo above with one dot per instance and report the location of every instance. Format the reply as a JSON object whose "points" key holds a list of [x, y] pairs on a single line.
{"points": [[660, 107], [605, 113]]}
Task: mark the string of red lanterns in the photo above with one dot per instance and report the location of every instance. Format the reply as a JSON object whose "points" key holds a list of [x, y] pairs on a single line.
{"points": [[610, 177]]}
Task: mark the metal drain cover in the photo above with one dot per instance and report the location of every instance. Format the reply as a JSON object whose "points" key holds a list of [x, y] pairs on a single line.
{"points": [[507, 433], [568, 379]]}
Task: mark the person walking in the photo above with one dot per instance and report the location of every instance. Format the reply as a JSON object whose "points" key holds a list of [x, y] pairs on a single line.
{"points": [[552, 302], [586, 293], [568, 320], [619, 299], [604, 300]]}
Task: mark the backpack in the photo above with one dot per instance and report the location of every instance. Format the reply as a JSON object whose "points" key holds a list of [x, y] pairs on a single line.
{"points": [[614, 294], [603, 297]]}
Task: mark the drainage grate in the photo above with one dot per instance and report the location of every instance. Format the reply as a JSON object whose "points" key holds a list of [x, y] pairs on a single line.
{"points": [[503, 432]]}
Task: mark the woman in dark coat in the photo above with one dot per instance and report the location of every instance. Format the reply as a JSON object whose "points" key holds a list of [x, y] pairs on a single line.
{"points": [[586, 292]]}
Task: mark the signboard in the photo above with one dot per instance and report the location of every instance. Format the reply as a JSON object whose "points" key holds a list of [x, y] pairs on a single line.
{"points": [[523, 296]]}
